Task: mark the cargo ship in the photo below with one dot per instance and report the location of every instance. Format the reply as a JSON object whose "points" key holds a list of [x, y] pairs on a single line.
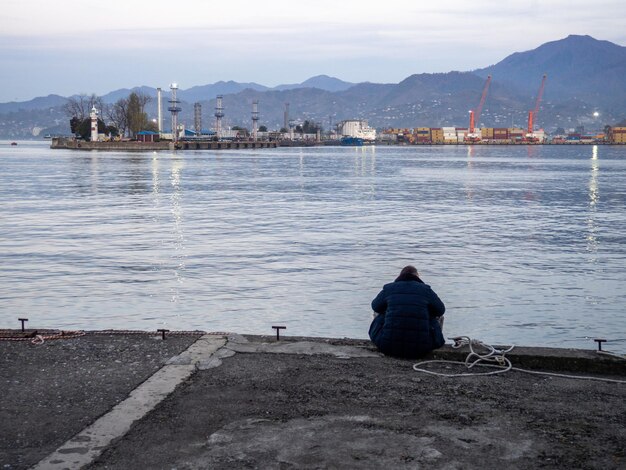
{"points": [[352, 141], [356, 132]]}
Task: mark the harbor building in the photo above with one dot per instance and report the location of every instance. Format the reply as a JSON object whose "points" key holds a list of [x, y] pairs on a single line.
{"points": [[617, 135]]}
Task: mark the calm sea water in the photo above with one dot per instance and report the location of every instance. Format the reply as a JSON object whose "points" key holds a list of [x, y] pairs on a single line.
{"points": [[525, 245]]}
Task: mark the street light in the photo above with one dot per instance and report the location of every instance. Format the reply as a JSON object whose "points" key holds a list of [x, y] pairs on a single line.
{"points": [[596, 114]]}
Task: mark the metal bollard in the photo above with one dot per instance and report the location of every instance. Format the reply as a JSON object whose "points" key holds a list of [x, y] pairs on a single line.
{"points": [[278, 328], [23, 320], [162, 331], [600, 341]]}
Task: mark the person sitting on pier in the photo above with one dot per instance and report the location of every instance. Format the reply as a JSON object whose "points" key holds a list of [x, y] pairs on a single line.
{"points": [[409, 317]]}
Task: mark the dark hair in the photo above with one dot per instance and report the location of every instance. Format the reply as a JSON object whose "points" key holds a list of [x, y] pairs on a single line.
{"points": [[408, 273]]}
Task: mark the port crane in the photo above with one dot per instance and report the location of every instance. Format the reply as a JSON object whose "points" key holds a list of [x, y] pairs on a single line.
{"points": [[532, 115], [472, 136]]}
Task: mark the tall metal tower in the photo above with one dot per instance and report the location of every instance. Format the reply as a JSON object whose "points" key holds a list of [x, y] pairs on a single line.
{"points": [[197, 118], [286, 125], [255, 119], [219, 114], [174, 109], [291, 124]]}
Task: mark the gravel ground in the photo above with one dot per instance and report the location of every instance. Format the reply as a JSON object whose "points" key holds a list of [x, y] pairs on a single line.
{"points": [[52, 391], [280, 411]]}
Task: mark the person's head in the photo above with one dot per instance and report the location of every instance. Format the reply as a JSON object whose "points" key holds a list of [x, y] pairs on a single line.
{"points": [[409, 273]]}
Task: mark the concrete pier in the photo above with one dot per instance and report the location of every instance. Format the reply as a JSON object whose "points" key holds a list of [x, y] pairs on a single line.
{"points": [[117, 400], [72, 144], [224, 145]]}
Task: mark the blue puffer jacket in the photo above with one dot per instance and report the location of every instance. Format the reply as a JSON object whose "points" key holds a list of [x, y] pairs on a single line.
{"points": [[407, 325]]}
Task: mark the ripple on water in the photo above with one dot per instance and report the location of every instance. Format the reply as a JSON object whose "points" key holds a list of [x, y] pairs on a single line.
{"points": [[523, 247]]}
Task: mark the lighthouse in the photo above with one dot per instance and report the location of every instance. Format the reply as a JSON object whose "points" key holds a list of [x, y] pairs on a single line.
{"points": [[94, 124]]}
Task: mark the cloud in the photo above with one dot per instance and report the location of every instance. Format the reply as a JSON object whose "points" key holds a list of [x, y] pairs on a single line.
{"points": [[124, 43]]}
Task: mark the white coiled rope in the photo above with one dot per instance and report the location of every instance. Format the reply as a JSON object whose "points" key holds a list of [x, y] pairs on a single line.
{"points": [[493, 358]]}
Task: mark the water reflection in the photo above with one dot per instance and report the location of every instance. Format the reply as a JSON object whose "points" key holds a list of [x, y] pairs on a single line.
{"points": [[593, 181], [95, 173], [364, 160], [469, 186], [293, 224], [135, 166], [301, 167], [85, 176], [592, 239], [471, 151], [155, 177], [179, 234]]}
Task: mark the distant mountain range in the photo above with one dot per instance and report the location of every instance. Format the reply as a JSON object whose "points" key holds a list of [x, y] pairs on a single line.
{"points": [[578, 67], [584, 75]]}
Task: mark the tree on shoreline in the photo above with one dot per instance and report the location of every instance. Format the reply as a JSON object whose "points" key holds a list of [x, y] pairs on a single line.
{"points": [[117, 113], [136, 116], [79, 106], [128, 115], [308, 127]]}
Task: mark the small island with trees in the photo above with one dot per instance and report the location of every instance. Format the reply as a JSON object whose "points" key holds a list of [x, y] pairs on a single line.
{"points": [[129, 128]]}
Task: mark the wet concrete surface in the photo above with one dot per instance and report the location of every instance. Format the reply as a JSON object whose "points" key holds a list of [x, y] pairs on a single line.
{"points": [[50, 392], [308, 403]]}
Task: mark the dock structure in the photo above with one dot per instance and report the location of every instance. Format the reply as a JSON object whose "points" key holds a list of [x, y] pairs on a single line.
{"points": [[225, 145], [73, 144]]}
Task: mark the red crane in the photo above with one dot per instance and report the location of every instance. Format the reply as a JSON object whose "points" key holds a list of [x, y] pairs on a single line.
{"points": [[533, 114], [475, 114]]}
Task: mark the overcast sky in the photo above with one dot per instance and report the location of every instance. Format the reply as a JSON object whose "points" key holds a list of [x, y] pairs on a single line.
{"points": [[67, 47]]}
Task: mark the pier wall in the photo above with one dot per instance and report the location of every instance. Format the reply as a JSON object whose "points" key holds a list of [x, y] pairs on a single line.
{"points": [[72, 144]]}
